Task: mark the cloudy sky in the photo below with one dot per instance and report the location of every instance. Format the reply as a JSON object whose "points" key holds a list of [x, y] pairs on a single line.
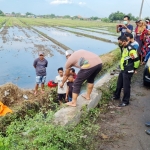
{"points": [[85, 8]]}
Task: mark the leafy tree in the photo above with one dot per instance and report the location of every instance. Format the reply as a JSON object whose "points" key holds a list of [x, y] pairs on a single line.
{"points": [[94, 18], [28, 13], [75, 17], [52, 16], [66, 16], [105, 19], [132, 17], [119, 16], [1, 13], [18, 14], [116, 16]]}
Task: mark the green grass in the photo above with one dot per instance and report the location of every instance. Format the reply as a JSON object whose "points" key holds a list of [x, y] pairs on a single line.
{"points": [[2, 21], [68, 23], [12, 21]]}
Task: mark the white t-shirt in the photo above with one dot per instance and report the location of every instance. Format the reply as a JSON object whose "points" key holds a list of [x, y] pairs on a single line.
{"points": [[58, 80]]}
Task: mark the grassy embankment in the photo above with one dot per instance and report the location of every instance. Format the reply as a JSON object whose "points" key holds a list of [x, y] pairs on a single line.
{"points": [[2, 21], [39, 132]]}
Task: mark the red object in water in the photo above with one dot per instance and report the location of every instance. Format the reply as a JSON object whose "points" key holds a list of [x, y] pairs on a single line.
{"points": [[51, 84]]}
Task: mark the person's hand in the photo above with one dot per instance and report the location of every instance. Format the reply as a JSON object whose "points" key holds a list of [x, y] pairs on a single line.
{"points": [[143, 63], [61, 85], [124, 26], [66, 99]]}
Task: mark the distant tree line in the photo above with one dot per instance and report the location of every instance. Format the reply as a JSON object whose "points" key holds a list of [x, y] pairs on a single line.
{"points": [[113, 17], [119, 16]]}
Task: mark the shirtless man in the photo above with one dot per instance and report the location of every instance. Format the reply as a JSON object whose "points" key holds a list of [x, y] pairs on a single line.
{"points": [[90, 65]]}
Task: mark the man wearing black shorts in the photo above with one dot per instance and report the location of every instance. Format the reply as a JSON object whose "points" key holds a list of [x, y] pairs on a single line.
{"points": [[90, 65]]}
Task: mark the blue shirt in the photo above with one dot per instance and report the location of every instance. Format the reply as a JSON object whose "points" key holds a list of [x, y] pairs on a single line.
{"points": [[123, 30], [147, 57], [135, 45], [148, 27]]}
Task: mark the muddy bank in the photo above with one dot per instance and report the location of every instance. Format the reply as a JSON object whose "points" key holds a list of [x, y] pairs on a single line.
{"points": [[4, 32], [47, 52]]}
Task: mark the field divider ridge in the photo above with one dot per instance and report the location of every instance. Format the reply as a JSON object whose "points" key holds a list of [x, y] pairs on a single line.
{"points": [[89, 36], [48, 37]]}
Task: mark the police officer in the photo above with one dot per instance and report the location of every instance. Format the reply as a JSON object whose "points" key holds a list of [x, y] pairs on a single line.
{"points": [[129, 63]]}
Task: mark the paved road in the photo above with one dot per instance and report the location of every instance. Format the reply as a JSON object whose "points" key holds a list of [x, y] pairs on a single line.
{"points": [[129, 122]]}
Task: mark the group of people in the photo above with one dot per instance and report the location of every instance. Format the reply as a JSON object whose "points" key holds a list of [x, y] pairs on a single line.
{"points": [[140, 38], [69, 84], [64, 93], [135, 50]]}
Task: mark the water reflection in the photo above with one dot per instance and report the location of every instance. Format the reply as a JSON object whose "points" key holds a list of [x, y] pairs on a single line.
{"points": [[18, 53], [76, 42]]}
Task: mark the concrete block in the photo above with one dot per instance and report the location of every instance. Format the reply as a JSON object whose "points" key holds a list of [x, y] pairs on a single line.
{"points": [[71, 115]]}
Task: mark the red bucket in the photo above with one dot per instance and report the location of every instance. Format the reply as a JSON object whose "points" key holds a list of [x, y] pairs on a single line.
{"points": [[52, 84]]}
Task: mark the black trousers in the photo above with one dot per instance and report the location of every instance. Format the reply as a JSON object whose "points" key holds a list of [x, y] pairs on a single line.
{"points": [[124, 81]]}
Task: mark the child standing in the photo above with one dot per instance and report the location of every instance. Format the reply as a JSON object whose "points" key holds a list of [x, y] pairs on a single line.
{"points": [[61, 91], [69, 88]]}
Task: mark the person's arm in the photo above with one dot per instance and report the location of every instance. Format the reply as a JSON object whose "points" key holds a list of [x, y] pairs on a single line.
{"points": [[67, 92], [147, 57], [56, 81], [34, 63], [46, 63], [129, 30], [65, 77], [118, 29], [68, 65]]}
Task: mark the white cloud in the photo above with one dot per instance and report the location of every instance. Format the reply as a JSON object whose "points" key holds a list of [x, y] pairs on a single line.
{"points": [[82, 3], [57, 2]]}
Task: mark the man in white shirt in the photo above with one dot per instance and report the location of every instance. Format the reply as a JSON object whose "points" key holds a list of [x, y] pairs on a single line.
{"points": [[61, 91]]}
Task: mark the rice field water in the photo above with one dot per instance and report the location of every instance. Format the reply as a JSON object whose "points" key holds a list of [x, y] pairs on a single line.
{"points": [[22, 38]]}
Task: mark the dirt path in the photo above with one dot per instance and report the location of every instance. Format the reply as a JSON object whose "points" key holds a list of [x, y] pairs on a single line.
{"points": [[125, 128]]}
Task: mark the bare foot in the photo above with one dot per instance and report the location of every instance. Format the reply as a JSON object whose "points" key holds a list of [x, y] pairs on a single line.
{"points": [[42, 91], [71, 104], [85, 97], [35, 93]]}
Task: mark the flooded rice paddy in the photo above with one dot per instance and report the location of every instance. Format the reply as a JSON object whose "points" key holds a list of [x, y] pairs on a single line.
{"points": [[20, 46], [76, 42], [96, 29], [105, 36]]}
